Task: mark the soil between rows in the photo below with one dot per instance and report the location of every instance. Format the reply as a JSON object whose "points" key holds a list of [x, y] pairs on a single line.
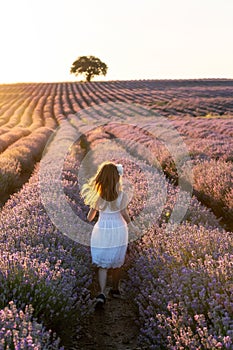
{"points": [[113, 327]]}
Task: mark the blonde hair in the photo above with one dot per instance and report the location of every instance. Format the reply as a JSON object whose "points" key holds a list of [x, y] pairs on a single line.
{"points": [[103, 187]]}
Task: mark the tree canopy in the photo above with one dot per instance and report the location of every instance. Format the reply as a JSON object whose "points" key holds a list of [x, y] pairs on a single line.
{"points": [[89, 66]]}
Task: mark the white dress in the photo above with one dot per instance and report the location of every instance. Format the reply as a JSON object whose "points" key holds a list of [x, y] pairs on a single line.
{"points": [[109, 238]]}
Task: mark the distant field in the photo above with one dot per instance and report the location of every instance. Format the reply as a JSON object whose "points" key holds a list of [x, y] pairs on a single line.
{"points": [[179, 282], [201, 110]]}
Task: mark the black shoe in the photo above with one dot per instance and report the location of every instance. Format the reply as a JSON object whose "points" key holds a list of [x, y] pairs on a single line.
{"points": [[115, 293], [100, 301]]}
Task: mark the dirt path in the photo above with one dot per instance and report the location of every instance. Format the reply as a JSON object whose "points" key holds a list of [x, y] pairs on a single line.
{"points": [[113, 327]]}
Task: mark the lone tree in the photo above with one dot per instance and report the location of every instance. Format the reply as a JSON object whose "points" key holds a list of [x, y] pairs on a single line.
{"points": [[88, 65]]}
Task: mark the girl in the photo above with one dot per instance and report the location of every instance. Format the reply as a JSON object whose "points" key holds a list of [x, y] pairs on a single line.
{"points": [[109, 239]]}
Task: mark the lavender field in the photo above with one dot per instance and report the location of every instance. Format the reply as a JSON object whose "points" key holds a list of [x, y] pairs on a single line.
{"points": [[179, 278]]}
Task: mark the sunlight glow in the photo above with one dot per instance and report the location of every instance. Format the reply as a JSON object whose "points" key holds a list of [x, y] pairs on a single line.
{"points": [[163, 39]]}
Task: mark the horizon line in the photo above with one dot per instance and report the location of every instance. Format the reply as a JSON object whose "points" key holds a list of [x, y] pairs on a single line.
{"points": [[112, 80]]}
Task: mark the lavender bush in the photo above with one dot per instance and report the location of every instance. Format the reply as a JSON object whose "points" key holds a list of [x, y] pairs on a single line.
{"points": [[10, 169], [213, 180], [19, 330], [41, 266], [182, 284]]}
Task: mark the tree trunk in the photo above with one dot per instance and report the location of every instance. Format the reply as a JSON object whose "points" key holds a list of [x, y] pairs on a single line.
{"points": [[88, 77]]}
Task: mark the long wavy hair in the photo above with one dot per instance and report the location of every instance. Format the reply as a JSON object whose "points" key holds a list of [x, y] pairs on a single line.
{"points": [[103, 188]]}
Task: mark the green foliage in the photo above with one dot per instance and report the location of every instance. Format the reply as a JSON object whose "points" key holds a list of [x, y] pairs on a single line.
{"points": [[89, 66]]}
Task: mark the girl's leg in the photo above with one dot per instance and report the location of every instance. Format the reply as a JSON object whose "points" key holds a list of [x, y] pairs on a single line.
{"points": [[102, 274], [116, 274]]}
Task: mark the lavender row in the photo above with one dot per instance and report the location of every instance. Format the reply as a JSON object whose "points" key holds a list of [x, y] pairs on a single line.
{"points": [[31, 111], [187, 97], [212, 174], [181, 283], [41, 267], [179, 279]]}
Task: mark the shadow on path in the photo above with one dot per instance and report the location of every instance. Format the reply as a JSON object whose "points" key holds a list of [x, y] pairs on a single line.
{"points": [[113, 327]]}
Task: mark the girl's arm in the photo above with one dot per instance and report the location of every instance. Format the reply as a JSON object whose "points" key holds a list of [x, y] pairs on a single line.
{"points": [[125, 214], [91, 214]]}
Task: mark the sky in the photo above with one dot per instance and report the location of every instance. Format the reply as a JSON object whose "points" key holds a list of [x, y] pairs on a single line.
{"points": [[137, 39]]}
